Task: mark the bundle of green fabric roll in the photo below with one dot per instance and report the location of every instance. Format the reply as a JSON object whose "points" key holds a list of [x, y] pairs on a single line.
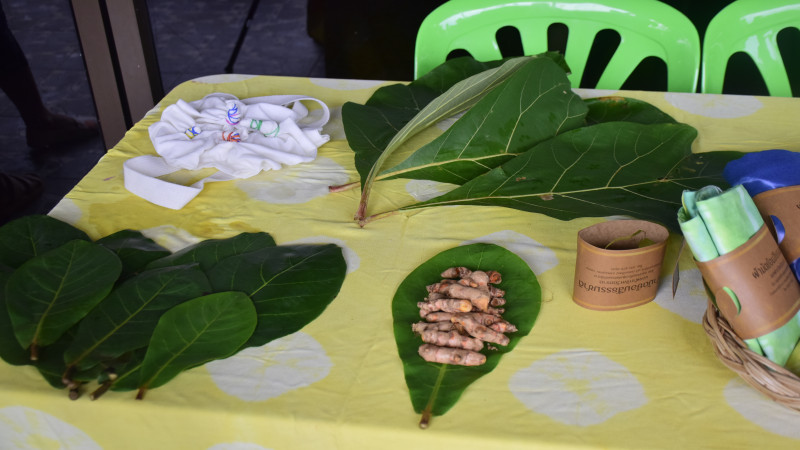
{"points": [[715, 222]]}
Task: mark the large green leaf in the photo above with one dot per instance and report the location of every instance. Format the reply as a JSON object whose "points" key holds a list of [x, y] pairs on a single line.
{"points": [[29, 236], [50, 361], [51, 292], [615, 168], [195, 332], [290, 285], [211, 251], [434, 387], [125, 320], [370, 127], [134, 250], [623, 109], [461, 96], [534, 104], [390, 117]]}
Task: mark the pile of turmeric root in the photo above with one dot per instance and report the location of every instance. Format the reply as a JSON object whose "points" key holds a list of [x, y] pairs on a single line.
{"points": [[462, 312]]}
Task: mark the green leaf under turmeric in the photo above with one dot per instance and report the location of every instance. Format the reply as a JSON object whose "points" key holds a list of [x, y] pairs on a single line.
{"points": [[435, 388]]}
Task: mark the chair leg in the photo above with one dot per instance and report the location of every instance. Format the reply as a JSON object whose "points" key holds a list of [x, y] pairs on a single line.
{"points": [[242, 35]]}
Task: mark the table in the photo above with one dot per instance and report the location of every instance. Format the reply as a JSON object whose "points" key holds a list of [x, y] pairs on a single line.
{"points": [[639, 378]]}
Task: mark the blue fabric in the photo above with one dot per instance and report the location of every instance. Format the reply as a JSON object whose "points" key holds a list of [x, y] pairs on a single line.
{"points": [[764, 170]]}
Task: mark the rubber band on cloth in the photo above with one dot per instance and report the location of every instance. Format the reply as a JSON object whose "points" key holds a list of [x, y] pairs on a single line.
{"points": [[240, 138]]}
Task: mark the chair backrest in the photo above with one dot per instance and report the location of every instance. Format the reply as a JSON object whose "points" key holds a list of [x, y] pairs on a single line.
{"points": [[646, 28], [752, 27]]}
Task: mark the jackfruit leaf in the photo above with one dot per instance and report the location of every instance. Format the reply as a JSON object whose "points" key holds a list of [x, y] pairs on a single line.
{"points": [[50, 362], [614, 168], [370, 127], [29, 236], [125, 320], [190, 334], [211, 251], [532, 105], [10, 349], [134, 249], [623, 109], [434, 388], [461, 96], [51, 292], [290, 285]]}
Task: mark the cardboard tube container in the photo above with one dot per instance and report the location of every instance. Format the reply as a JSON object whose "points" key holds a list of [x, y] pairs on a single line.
{"points": [[613, 272]]}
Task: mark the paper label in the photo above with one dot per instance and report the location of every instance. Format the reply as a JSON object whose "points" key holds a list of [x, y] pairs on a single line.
{"points": [[607, 279], [765, 289], [784, 204]]}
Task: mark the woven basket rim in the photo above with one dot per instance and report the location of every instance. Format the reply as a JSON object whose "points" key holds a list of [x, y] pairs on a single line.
{"points": [[772, 380]]}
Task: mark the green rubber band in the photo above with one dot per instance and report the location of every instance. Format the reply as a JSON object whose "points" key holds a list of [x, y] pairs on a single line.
{"points": [[273, 132]]}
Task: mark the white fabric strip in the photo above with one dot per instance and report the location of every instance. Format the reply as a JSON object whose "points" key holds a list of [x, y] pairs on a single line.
{"points": [[239, 138]]}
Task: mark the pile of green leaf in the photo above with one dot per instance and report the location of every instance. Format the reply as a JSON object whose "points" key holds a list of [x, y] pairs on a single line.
{"points": [[131, 315], [527, 141]]}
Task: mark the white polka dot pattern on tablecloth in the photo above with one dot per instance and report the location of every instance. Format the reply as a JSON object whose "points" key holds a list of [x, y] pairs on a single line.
{"points": [[66, 211], [577, 387], [762, 411], [296, 184], [350, 256], [714, 105], [27, 428], [345, 85], [423, 190], [689, 301], [335, 127], [539, 257], [171, 237], [260, 373]]}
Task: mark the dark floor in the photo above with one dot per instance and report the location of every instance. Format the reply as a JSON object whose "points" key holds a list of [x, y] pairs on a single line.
{"points": [[193, 38]]}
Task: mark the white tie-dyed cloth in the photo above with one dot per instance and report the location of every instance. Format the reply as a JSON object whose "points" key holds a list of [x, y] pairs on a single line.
{"points": [[240, 138]]}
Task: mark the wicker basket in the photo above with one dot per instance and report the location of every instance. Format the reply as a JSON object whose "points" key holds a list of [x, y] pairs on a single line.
{"points": [[759, 372]]}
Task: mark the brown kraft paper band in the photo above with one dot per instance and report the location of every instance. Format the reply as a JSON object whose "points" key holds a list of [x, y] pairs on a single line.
{"points": [[762, 281], [783, 203], [609, 280]]}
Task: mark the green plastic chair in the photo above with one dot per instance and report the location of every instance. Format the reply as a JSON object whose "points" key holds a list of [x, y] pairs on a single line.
{"points": [[646, 28], [749, 26]]}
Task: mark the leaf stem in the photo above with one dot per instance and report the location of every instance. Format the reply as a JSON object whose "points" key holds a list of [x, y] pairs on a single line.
{"points": [[101, 390], [75, 391], [66, 378], [424, 422], [427, 413], [343, 187], [140, 393], [366, 220]]}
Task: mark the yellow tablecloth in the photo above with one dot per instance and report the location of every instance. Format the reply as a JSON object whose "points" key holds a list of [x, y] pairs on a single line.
{"points": [[640, 378]]}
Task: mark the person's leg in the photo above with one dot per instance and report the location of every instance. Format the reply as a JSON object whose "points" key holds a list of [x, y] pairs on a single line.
{"points": [[43, 128]]}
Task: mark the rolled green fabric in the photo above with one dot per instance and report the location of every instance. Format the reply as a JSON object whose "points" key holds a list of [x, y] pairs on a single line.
{"points": [[715, 222], [692, 225]]}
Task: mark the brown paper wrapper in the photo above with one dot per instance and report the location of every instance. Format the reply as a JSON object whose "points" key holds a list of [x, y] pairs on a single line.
{"points": [[624, 275], [783, 203], [764, 285]]}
